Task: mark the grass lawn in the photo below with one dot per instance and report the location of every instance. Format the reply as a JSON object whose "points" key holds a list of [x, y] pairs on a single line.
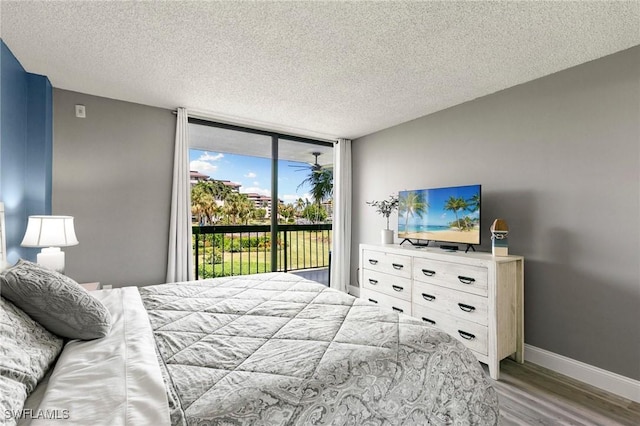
{"points": [[304, 249]]}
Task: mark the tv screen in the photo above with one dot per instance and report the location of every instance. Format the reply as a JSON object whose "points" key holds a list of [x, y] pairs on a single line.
{"points": [[449, 214]]}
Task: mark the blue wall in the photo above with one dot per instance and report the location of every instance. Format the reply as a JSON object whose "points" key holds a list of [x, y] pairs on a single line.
{"points": [[39, 149], [26, 147]]}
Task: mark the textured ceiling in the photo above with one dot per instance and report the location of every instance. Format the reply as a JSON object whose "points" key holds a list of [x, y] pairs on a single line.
{"points": [[333, 69]]}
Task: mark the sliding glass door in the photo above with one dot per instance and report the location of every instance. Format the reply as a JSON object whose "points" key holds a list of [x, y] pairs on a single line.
{"points": [[305, 189], [261, 201]]}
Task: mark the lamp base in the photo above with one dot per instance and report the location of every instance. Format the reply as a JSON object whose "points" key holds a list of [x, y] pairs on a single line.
{"points": [[51, 258]]}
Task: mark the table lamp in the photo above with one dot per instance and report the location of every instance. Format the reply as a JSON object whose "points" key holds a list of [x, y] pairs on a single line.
{"points": [[50, 233]]}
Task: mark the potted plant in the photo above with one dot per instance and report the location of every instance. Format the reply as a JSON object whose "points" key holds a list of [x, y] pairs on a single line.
{"points": [[385, 208]]}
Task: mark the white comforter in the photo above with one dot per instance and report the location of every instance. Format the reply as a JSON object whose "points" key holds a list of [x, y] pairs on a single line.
{"points": [[111, 381]]}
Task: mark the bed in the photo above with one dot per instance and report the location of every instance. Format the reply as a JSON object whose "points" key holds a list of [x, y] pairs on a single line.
{"points": [[267, 349]]}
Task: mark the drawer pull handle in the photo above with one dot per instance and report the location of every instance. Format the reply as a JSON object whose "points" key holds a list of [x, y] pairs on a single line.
{"points": [[466, 308], [374, 301], [465, 335], [397, 288], [373, 261], [397, 309], [397, 266], [428, 272], [374, 282], [432, 322], [428, 297], [466, 280]]}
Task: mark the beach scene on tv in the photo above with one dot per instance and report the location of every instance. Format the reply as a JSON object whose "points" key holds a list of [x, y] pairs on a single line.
{"points": [[440, 214]]}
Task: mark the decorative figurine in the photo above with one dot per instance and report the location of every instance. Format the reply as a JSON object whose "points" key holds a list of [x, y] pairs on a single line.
{"points": [[499, 241]]}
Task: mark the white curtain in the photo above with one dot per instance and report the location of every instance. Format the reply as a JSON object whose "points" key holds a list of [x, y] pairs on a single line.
{"points": [[341, 245], [180, 265]]}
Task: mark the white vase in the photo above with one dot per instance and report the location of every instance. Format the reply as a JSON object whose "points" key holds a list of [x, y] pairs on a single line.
{"points": [[386, 236]]}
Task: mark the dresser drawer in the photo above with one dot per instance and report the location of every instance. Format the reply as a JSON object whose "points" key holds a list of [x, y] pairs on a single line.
{"points": [[392, 285], [472, 335], [466, 306], [385, 301], [472, 279], [395, 264]]}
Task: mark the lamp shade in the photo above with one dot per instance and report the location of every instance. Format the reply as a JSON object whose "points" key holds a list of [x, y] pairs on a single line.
{"points": [[50, 231]]}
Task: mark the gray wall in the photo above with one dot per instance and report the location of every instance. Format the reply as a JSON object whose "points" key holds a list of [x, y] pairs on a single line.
{"points": [[112, 171], [559, 159]]}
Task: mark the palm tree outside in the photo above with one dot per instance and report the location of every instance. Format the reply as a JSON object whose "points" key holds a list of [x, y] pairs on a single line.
{"points": [[299, 206], [321, 183], [204, 205], [238, 207]]}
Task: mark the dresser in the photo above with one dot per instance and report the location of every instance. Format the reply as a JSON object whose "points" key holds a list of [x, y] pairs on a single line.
{"points": [[475, 297]]}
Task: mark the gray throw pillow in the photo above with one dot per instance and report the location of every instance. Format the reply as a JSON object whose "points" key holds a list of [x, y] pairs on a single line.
{"points": [[56, 301]]}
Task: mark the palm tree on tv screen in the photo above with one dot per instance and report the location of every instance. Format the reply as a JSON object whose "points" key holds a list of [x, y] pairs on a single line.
{"points": [[412, 204], [454, 204], [474, 203]]}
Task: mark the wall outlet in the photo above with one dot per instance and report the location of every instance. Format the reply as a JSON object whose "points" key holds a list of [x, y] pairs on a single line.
{"points": [[81, 111]]}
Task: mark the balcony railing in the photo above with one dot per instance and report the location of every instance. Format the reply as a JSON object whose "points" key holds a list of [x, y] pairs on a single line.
{"points": [[240, 250]]}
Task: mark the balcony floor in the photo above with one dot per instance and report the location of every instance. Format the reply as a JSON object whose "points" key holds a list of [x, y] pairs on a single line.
{"points": [[320, 275]]}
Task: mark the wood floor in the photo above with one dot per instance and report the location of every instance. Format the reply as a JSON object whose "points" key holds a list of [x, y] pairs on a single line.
{"points": [[532, 395]]}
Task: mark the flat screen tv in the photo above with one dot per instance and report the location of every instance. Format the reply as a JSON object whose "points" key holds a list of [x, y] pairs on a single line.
{"points": [[449, 214]]}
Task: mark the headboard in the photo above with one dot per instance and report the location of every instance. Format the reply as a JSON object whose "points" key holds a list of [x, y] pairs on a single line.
{"points": [[3, 241]]}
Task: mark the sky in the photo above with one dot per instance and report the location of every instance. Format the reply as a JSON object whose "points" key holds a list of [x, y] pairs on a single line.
{"points": [[253, 173]]}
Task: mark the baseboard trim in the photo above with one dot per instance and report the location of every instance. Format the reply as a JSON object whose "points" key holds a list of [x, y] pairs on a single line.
{"points": [[603, 379]]}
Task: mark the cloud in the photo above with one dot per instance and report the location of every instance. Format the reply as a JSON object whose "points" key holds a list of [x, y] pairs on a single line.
{"points": [[203, 167], [206, 156], [251, 175], [256, 183], [203, 163]]}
